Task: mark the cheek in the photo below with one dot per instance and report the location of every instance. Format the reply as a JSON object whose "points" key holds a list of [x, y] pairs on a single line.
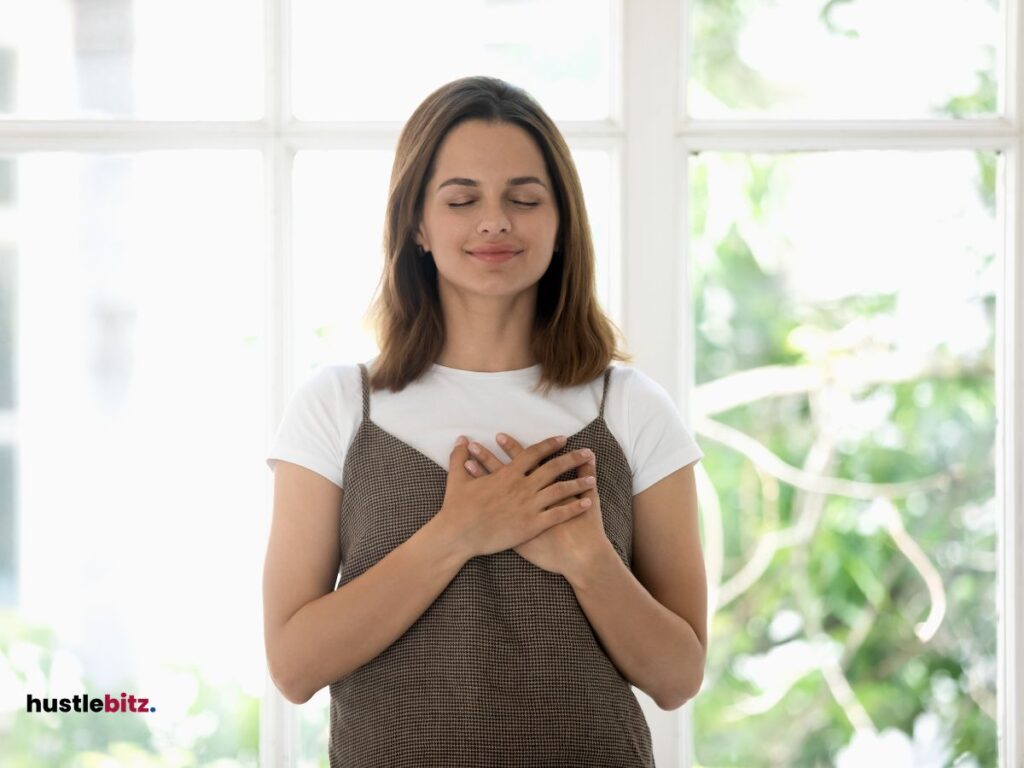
{"points": [[539, 228], [450, 239], [551, 226]]}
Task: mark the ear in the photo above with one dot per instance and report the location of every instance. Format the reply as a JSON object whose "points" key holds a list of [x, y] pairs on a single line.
{"points": [[420, 240]]}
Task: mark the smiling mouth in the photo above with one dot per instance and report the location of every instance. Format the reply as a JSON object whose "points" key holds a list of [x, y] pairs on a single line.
{"points": [[494, 256]]}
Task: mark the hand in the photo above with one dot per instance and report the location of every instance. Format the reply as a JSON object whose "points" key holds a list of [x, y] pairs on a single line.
{"points": [[512, 504], [563, 548]]}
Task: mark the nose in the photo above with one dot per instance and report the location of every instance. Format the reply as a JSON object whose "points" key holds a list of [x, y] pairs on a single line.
{"points": [[493, 219]]}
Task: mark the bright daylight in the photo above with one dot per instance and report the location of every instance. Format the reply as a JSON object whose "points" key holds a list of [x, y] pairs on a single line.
{"points": [[264, 265]]}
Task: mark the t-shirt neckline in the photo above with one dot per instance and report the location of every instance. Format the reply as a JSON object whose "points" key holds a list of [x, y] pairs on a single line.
{"points": [[513, 375]]}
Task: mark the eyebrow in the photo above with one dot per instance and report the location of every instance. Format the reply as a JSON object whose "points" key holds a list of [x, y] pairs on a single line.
{"points": [[514, 182]]}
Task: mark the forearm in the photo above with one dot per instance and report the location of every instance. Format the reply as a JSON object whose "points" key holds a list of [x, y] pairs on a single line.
{"points": [[652, 647], [331, 637]]}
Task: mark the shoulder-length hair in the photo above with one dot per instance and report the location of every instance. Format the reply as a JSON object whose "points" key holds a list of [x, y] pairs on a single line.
{"points": [[572, 338]]}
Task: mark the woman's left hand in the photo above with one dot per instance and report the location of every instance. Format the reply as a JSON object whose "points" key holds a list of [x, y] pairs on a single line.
{"points": [[565, 548]]}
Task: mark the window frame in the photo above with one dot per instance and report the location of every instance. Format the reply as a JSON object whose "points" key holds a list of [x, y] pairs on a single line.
{"points": [[651, 304]]}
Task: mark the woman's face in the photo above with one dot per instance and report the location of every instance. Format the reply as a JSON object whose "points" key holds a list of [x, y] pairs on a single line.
{"points": [[489, 188]]}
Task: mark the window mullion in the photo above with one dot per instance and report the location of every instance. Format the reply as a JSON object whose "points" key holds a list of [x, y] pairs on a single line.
{"points": [[279, 736], [1011, 684], [653, 269]]}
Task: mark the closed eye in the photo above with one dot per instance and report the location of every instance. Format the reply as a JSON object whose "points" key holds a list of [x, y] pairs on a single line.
{"points": [[469, 202]]}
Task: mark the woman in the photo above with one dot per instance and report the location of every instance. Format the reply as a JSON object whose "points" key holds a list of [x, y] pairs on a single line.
{"points": [[494, 600]]}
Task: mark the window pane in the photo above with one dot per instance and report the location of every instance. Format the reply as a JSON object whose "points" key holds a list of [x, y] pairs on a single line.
{"points": [[906, 60], [378, 61], [131, 58], [845, 331], [339, 201], [141, 490]]}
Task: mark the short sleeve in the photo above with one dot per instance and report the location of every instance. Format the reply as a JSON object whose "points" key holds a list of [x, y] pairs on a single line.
{"points": [[661, 442], [310, 431]]}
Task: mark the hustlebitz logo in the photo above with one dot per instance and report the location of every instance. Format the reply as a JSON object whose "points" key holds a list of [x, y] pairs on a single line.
{"points": [[86, 703]]}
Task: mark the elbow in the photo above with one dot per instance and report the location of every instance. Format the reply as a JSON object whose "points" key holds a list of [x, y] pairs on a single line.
{"points": [[681, 695], [284, 673], [687, 687], [296, 698], [290, 692], [291, 689]]}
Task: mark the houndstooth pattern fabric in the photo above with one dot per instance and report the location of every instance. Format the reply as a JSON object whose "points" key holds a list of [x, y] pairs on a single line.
{"points": [[504, 668]]}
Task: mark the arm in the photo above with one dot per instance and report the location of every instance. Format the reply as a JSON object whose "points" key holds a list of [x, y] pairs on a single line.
{"points": [[654, 625], [315, 634]]}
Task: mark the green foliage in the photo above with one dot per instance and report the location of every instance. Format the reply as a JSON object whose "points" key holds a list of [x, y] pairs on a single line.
{"points": [[97, 739], [847, 588]]}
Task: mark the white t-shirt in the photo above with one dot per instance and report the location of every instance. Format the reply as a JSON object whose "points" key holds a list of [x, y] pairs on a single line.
{"points": [[323, 414]]}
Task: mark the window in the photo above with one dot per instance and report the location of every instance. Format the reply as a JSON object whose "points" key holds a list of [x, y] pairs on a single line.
{"points": [[813, 245]]}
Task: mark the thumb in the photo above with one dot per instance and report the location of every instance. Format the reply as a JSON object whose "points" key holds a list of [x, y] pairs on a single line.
{"points": [[459, 455]]}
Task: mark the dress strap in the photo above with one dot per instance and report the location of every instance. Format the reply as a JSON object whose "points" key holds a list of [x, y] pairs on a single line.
{"points": [[366, 391], [604, 394]]}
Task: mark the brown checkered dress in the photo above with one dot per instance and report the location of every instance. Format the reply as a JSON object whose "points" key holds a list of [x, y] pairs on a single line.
{"points": [[503, 669]]}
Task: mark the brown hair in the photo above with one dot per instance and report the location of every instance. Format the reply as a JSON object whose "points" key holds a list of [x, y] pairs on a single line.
{"points": [[573, 339]]}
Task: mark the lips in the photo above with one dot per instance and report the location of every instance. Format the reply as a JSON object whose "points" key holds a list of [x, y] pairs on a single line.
{"points": [[493, 254]]}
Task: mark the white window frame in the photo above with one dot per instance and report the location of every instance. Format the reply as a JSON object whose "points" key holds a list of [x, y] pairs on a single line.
{"points": [[652, 303]]}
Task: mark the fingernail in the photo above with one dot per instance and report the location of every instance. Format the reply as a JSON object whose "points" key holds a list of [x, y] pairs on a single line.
{"points": [[474, 447], [502, 437], [461, 440]]}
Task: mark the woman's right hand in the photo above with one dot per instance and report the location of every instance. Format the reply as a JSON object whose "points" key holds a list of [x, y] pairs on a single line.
{"points": [[503, 509]]}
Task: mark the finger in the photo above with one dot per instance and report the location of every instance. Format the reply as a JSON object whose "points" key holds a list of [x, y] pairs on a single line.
{"points": [[488, 460], [509, 444], [528, 459], [588, 468], [459, 454], [513, 448], [459, 458], [474, 468]]}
